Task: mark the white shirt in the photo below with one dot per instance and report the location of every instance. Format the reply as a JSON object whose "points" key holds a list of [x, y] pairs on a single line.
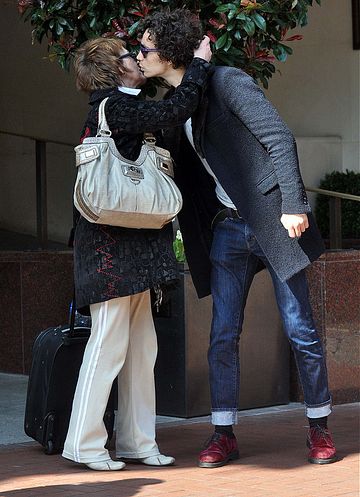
{"points": [[219, 190], [129, 91]]}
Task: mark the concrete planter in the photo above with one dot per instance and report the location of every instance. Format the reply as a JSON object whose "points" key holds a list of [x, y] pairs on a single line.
{"points": [[183, 334]]}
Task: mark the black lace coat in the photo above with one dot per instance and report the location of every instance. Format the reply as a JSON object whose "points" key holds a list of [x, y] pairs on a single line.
{"points": [[113, 262]]}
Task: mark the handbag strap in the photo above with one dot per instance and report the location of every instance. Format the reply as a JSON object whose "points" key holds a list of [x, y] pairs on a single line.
{"points": [[149, 138], [103, 127], [104, 130]]}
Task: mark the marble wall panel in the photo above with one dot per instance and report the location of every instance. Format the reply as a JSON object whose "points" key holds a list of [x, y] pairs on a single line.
{"points": [[36, 289], [11, 337]]}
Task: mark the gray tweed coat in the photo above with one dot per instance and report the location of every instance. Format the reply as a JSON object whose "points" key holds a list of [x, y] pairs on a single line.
{"points": [[253, 154]]}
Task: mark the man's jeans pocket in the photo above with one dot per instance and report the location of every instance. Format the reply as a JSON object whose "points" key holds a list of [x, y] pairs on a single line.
{"points": [[223, 214]]}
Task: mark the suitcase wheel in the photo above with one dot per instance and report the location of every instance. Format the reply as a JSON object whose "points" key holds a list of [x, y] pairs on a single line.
{"points": [[49, 447], [48, 443]]}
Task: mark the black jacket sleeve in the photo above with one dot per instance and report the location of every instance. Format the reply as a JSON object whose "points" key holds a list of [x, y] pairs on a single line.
{"points": [[132, 115]]}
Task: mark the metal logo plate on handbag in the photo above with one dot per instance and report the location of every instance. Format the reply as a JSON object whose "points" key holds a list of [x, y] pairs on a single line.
{"points": [[133, 172], [165, 165], [86, 153]]}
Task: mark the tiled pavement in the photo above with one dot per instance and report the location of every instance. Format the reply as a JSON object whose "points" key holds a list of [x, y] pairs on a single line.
{"points": [[272, 464]]}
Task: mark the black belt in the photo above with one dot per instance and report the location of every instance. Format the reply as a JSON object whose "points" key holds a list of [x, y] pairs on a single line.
{"points": [[223, 214]]}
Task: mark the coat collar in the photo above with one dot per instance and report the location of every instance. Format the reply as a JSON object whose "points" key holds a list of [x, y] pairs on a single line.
{"points": [[197, 121], [98, 95]]}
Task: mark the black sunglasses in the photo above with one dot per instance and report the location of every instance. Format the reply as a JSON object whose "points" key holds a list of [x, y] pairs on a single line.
{"points": [[128, 54], [145, 50]]}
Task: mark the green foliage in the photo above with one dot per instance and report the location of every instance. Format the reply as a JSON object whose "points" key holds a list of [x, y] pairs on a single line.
{"points": [[348, 182], [178, 247], [249, 34]]}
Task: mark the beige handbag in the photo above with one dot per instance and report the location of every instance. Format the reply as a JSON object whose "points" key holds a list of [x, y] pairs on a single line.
{"points": [[112, 190]]}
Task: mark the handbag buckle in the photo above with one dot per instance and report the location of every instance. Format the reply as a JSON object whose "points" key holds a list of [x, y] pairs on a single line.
{"points": [[165, 165], [133, 172], [150, 139]]}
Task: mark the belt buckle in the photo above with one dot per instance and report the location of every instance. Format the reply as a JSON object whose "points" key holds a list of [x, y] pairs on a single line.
{"points": [[230, 212], [235, 213]]}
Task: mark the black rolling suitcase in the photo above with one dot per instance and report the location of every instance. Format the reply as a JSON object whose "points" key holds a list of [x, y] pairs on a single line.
{"points": [[56, 361]]}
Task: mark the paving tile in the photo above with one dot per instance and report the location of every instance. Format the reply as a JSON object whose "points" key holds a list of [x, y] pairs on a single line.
{"points": [[272, 464]]}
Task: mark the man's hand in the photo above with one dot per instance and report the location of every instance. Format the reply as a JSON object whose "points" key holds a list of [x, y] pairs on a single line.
{"points": [[204, 50], [296, 224]]}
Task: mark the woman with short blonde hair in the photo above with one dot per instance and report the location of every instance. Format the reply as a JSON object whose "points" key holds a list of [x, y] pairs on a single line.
{"points": [[115, 268]]}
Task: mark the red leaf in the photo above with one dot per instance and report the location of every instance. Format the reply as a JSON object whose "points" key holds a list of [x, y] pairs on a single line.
{"points": [[223, 17], [23, 5], [211, 36], [263, 56], [216, 23], [145, 8], [295, 37], [115, 24], [283, 32]]}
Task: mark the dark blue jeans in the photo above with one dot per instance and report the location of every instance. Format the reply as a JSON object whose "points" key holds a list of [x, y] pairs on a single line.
{"points": [[234, 256]]}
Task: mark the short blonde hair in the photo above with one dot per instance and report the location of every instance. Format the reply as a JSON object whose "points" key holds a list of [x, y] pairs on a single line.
{"points": [[97, 64]]}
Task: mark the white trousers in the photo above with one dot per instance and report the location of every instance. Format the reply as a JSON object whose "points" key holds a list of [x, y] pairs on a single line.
{"points": [[122, 343]]}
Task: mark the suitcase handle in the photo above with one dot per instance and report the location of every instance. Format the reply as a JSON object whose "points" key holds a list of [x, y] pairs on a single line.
{"points": [[74, 333], [72, 318], [81, 336]]}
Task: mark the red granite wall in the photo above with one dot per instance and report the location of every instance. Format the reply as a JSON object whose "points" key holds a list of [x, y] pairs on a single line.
{"points": [[334, 282], [36, 289]]}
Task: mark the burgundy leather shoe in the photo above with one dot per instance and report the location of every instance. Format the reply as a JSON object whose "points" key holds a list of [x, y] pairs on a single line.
{"points": [[219, 450], [321, 445]]}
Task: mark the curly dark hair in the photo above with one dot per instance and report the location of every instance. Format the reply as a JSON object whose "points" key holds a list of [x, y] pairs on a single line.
{"points": [[176, 33]]}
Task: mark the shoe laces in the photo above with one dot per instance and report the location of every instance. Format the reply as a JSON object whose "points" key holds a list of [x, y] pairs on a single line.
{"points": [[321, 433], [215, 437], [219, 439]]}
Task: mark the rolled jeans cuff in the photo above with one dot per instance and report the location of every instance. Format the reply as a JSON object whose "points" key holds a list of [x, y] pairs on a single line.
{"points": [[224, 418], [318, 411]]}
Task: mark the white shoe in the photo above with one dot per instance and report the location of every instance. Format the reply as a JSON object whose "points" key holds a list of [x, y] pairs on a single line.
{"points": [[108, 465], [159, 460]]}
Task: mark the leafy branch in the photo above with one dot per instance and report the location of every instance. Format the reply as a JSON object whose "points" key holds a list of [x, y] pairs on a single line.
{"points": [[250, 34]]}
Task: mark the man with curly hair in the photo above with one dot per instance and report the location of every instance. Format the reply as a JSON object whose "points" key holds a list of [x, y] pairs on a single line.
{"points": [[167, 38], [245, 208]]}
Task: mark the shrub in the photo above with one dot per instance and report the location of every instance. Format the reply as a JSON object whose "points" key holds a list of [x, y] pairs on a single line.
{"points": [[249, 34], [348, 182]]}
